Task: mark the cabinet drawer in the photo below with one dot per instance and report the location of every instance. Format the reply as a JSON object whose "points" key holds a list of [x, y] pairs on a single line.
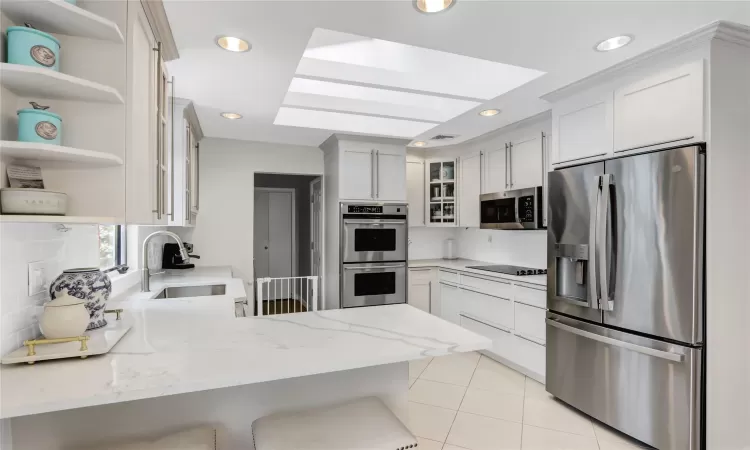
{"points": [[502, 340], [531, 296], [497, 288], [493, 310], [450, 277], [530, 322], [420, 276], [530, 355]]}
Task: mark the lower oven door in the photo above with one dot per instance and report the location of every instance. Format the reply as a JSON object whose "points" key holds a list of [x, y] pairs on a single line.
{"points": [[373, 284], [648, 389]]}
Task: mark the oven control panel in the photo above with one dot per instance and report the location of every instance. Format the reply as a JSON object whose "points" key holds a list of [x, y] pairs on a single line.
{"points": [[364, 209], [393, 209]]}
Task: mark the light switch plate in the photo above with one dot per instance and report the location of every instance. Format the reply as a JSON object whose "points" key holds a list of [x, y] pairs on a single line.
{"points": [[37, 277]]}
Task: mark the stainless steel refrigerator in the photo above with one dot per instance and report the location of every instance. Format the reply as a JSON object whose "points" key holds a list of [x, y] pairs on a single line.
{"points": [[625, 326]]}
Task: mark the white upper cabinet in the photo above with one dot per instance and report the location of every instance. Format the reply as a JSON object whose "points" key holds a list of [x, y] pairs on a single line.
{"points": [[441, 191], [583, 128], [390, 170], [661, 109], [357, 175], [526, 162], [494, 171], [184, 186], [372, 171], [470, 180], [415, 192]]}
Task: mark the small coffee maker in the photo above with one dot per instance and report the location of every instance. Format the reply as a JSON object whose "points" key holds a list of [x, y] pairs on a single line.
{"points": [[171, 256]]}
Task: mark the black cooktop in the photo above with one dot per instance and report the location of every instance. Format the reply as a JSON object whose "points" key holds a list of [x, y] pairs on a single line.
{"points": [[511, 270]]}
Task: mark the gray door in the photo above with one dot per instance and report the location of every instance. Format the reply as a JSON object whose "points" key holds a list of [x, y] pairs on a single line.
{"points": [[655, 244], [572, 210]]}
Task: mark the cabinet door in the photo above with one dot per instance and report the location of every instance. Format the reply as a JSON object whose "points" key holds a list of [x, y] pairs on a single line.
{"points": [[495, 171], [526, 162], [450, 303], [356, 169], [415, 192], [391, 177], [662, 109], [583, 128], [142, 167], [420, 289], [469, 191]]}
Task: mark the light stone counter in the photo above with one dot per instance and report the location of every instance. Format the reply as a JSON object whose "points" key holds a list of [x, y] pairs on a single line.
{"points": [[462, 265]]}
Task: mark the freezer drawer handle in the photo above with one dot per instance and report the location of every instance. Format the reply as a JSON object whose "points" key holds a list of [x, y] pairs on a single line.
{"points": [[676, 357]]}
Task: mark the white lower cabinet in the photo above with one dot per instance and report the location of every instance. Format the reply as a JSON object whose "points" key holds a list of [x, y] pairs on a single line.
{"points": [[512, 315]]}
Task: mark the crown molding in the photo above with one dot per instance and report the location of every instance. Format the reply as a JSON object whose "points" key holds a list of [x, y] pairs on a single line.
{"points": [[157, 17], [723, 30], [338, 137]]}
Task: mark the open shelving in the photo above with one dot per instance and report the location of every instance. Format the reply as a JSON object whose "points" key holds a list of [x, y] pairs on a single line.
{"points": [[40, 82], [18, 218], [35, 151], [58, 16]]}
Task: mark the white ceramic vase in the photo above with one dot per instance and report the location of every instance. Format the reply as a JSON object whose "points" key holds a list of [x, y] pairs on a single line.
{"points": [[63, 317]]}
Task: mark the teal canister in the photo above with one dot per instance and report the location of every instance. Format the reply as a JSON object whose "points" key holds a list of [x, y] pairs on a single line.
{"points": [[72, 2], [37, 125], [32, 47]]}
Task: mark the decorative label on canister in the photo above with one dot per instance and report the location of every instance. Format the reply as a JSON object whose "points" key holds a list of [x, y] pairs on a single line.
{"points": [[46, 130], [43, 55]]}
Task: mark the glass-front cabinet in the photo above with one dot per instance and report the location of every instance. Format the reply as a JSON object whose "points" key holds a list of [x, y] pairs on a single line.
{"points": [[441, 184]]}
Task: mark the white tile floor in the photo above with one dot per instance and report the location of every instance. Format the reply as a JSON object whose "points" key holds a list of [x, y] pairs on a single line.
{"points": [[468, 401]]}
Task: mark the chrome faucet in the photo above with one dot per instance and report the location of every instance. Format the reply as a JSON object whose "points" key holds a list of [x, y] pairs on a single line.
{"points": [[145, 274]]}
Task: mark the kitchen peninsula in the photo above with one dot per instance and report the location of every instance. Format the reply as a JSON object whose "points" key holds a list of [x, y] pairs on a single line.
{"points": [[227, 371]]}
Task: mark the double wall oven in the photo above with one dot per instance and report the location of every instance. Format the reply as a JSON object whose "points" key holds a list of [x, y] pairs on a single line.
{"points": [[373, 254]]}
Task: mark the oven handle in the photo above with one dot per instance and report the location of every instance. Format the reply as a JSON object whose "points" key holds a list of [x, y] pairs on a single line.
{"points": [[385, 266], [379, 222]]}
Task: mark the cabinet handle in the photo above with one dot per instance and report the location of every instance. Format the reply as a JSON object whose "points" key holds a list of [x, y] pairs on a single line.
{"points": [[510, 163], [372, 173], [507, 166], [377, 173], [159, 149], [544, 178], [171, 168], [188, 176], [197, 165], [497, 327]]}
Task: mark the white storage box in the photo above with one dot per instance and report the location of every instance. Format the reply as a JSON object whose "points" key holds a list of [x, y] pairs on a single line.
{"points": [[363, 424]]}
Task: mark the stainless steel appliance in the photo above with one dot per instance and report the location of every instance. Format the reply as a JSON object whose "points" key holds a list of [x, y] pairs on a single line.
{"points": [[373, 256], [510, 270], [512, 210], [625, 334]]}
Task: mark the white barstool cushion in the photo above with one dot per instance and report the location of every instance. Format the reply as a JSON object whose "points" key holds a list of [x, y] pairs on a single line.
{"points": [[363, 424], [203, 438]]}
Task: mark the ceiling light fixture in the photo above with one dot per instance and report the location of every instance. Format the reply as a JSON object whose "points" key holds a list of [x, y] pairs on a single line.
{"points": [[613, 43], [433, 6], [231, 116], [420, 144], [489, 112], [233, 44]]}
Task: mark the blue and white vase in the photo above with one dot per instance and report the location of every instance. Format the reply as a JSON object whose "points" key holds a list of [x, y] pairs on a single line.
{"points": [[89, 284]]}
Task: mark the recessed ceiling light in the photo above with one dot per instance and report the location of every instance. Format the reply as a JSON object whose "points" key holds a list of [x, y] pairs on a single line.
{"points": [[433, 6], [489, 112], [233, 44], [613, 43], [231, 116], [420, 144]]}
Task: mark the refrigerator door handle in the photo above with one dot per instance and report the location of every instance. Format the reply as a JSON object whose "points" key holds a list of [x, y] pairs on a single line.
{"points": [[606, 303], [593, 220], [670, 356]]}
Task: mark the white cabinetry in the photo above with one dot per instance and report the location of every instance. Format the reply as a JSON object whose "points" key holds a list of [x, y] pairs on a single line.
{"points": [[184, 165], [370, 171], [582, 128], [415, 192], [420, 288], [661, 109], [441, 192], [494, 170], [470, 178], [526, 162], [450, 302]]}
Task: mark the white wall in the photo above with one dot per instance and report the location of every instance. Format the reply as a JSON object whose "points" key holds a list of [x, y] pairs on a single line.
{"points": [[520, 248], [427, 243], [223, 234]]}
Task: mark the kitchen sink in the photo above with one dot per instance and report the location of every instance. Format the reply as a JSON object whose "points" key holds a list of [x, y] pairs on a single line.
{"points": [[192, 291]]}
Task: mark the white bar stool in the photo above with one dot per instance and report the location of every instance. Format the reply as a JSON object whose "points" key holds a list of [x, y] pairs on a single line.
{"points": [[363, 424]]}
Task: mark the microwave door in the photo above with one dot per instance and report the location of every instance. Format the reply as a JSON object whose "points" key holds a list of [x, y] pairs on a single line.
{"points": [[571, 263]]}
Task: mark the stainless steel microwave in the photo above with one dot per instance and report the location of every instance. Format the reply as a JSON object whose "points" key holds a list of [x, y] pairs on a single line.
{"points": [[512, 210]]}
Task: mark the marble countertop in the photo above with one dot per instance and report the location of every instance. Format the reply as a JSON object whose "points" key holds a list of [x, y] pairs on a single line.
{"points": [[462, 266], [186, 345]]}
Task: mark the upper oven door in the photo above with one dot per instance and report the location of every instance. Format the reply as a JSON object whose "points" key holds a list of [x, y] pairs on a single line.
{"points": [[373, 240], [498, 212]]}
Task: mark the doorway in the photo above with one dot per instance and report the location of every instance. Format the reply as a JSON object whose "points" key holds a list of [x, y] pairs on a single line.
{"points": [[287, 237]]}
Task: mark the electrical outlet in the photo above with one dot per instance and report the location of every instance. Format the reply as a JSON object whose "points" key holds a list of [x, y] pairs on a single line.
{"points": [[37, 277], [489, 238]]}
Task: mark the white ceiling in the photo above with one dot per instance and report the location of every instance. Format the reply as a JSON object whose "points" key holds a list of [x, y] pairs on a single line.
{"points": [[287, 76]]}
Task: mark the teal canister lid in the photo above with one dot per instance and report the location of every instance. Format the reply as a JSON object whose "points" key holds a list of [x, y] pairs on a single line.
{"points": [[39, 111], [35, 31]]}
